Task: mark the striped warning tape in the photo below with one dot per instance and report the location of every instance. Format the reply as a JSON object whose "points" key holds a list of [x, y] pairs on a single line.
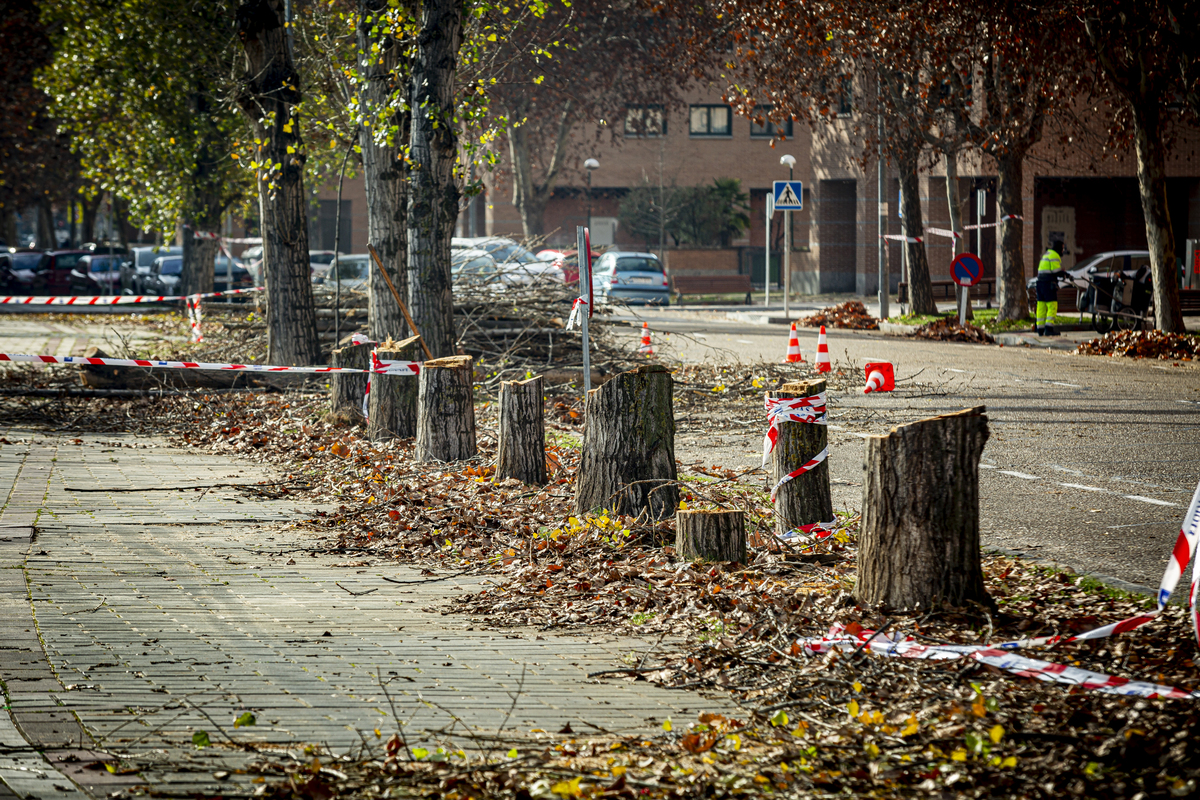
{"points": [[114, 300], [807, 466], [791, 409], [381, 367], [1002, 657], [1002, 220]]}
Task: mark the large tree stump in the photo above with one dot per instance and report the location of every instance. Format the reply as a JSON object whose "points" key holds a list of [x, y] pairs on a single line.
{"points": [[805, 499], [446, 410], [628, 461], [522, 450], [392, 406], [347, 389], [919, 540], [711, 535]]}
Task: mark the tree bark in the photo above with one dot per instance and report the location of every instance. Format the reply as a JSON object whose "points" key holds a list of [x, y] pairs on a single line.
{"points": [[628, 461], [807, 498], [382, 140], [347, 389], [522, 451], [920, 286], [90, 207], [270, 88], [199, 260], [446, 410], [46, 239], [711, 535], [433, 192], [1152, 186], [529, 196], [392, 411], [919, 539], [1012, 295]]}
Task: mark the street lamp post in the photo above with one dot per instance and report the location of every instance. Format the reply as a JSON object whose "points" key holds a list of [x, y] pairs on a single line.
{"points": [[591, 165], [790, 163]]}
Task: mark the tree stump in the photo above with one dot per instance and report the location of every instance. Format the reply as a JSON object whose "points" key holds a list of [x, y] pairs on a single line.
{"points": [[446, 410], [711, 535], [805, 499], [628, 460], [346, 390], [392, 406], [522, 450], [919, 540]]}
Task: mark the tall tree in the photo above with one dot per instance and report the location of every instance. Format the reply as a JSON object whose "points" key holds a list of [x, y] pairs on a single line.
{"points": [[433, 201], [144, 97], [1131, 41], [268, 96]]}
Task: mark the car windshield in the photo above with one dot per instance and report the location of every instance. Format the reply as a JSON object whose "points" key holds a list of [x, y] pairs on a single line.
{"points": [[480, 265], [504, 252], [104, 264], [638, 264], [349, 269], [68, 261], [146, 257], [30, 261], [320, 258], [171, 266]]}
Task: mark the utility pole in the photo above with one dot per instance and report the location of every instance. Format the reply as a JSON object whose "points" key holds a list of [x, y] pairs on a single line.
{"points": [[884, 288], [790, 162]]}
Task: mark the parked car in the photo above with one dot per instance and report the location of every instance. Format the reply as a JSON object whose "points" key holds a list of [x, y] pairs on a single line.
{"points": [[567, 261], [634, 278], [517, 264], [320, 261], [1103, 265], [352, 272], [473, 267], [165, 274], [58, 265], [230, 274], [136, 269], [24, 272], [97, 275]]}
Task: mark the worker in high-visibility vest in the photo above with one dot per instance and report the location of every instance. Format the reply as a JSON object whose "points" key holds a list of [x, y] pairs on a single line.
{"points": [[1049, 268]]}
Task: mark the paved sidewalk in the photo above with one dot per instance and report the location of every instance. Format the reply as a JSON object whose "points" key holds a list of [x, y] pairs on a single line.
{"points": [[143, 617]]}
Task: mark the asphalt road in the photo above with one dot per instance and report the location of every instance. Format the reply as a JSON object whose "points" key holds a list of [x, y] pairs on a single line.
{"points": [[1091, 461]]}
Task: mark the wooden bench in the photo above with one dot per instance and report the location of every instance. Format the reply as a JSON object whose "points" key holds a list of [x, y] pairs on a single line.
{"points": [[945, 290], [710, 284]]}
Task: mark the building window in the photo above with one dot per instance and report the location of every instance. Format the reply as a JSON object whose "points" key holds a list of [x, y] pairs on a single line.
{"points": [[845, 106], [761, 126], [645, 121], [710, 121]]}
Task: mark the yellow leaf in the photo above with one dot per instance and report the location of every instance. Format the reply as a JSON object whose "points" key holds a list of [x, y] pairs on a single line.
{"points": [[287, 126], [852, 707], [959, 755], [1009, 762], [877, 717], [872, 750], [291, 149], [856, 686], [978, 708], [618, 771], [735, 740], [996, 733], [667, 725], [683, 505], [567, 788]]}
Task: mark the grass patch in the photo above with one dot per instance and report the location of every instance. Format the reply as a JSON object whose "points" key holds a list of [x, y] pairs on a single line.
{"points": [[986, 318], [916, 319]]}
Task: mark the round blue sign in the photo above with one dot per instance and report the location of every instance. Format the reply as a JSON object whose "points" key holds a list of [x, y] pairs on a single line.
{"points": [[966, 270]]}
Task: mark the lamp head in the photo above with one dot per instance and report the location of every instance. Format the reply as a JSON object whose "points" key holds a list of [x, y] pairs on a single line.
{"points": [[787, 161], [591, 163]]}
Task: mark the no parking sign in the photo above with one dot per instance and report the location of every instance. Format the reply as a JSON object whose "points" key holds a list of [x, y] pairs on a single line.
{"points": [[966, 270]]}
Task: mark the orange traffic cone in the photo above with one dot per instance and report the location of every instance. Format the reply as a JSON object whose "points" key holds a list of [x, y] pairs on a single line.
{"points": [[793, 352], [646, 348], [823, 364], [880, 377]]}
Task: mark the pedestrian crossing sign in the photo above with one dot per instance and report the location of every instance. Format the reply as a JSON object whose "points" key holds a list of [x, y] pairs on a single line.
{"points": [[789, 195]]}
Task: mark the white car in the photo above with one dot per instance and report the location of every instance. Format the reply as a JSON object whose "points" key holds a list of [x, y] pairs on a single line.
{"points": [[517, 265]]}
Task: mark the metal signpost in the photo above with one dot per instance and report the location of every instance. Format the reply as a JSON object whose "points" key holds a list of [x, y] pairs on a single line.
{"points": [[770, 213], [789, 197], [966, 270], [583, 242]]}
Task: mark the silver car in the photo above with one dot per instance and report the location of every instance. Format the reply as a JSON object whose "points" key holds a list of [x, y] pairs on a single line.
{"points": [[633, 278]]}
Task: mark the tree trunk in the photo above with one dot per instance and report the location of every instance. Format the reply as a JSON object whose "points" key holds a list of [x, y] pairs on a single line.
{"points": [[522, 451], [805, 499], [711, 535], [433, 191], [919, 539], [90, 207], [270, 88], [347, 389], [446, 410], [529, 196], [628, 461], [199, 258], [920, 287], [9, 220], [1152, 185], [46, 239], [380, 70], [1012, 295], [392, 410], [954, 204]]}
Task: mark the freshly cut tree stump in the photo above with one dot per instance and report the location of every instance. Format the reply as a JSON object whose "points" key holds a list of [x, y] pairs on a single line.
{"points": [[446, 410], [628, 462], [805, 499], [392, 410], [711, 535], [522, 451], [346, 390], [919, 541]]}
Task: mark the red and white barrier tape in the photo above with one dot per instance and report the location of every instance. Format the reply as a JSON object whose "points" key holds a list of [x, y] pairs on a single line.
{"points": [[114, 300], [1003, 219], [1002, 657], [949, 234], [382, 367], [193, 312], [902, 238], [791, 409], [573, 320], [811, 464], [810, 534]]}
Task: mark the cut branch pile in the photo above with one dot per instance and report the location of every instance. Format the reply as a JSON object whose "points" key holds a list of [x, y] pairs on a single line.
{"points": [[1143, 344], [852, 314], [947, 329]]}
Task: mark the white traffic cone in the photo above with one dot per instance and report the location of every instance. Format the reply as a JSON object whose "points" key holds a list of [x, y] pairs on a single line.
{"points": [[793, 352], [646, 348], [823, 364]]}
